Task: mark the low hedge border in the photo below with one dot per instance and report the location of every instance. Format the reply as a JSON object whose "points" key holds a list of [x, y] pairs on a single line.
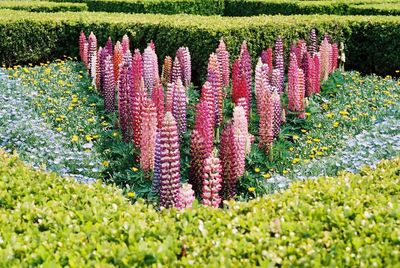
{"points": [[42, 6], [377, 9], [371, 42], [347, 221]]}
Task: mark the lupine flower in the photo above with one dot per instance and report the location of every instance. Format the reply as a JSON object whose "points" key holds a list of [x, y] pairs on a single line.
{"points": [[125, 44], [167, 71], [155, 187], [185, 61], [317, 73], [85, 54], [308, 68], [213, 77], [279, 60], [137, 70], [204, 125], [82, 41], [267, 58], [170, 163], [239, 86], [186, 197], [176, 70], [212, 181], [138, 106], [197, 156], [223, 62], [109, 84], [152, 45], [123, 89], [313, 42], [335, 57], [293, 74], [261, 80], [300, 95], [277, 115], [169, 97], [118, 57], [241, 125], [150, 68], [98, 69], [158, 99], [325, 50], [245, 66], [301, 48], [179, 107], [92, 41], [276, 80], [266, 130], [102, 56], [208, 97], [109, 46], [148, 136]]}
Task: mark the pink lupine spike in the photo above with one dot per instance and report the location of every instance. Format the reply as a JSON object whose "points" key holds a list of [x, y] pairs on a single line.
{"points": [[213, 76], [82, 41], [197, 156], [185, 61], [148, 136], [313, 42], [208, 97], [150, 68], [308, 68], [109, 46], [279, 60], [212, 181], [179, 107], [223, 62], [267, 58], [123, 89], [176, 70], [125, 44], [261, 80], [98, 69], [138, 106], [292, 82], [155, 187], [204, 125], [158, 99], [109, 84], [246, 69], [102, 56], [118, 57], [243, 103], [325, 50], [152, 45], [301, 49], [241, 125], [266, 130], [277, 113], [170, 163], [276, 81], [317, 73], [166, 75], [85, 54], [92, 41], [169, 97], [186, 197], [137, 70], [335, 57], [300, 95]]}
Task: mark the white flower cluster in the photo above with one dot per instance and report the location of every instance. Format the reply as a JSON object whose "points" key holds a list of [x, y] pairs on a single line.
{"points": [[24, 131]]}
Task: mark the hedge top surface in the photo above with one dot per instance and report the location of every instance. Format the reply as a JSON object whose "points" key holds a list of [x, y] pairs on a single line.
{"points": [[348, 221], [42, 6]]}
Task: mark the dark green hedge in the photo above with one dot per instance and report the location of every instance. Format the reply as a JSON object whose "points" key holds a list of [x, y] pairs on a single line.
{"points": [[372, 42], [42, 6], [377, 9], [347, 221]]}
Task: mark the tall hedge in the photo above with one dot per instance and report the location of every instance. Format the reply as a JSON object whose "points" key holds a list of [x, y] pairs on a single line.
{"points": [[42, 6], [371, 42], [347, 221]]}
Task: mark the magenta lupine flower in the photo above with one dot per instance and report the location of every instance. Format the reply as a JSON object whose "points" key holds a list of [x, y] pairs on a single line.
{"points": [[301, 48], [155, 187], [150, 68], [261, 80], [197, 156], [109, 46], [317, 73], [137, 111], [185, 61], [208, 97], [166, 75], [335, 57], [123, 89], [245, 66], [266, 130], [308, 68], [213, 77], [158, 99], [267, 58], [85, 55], [276, 81], [117, 59], [279, 60], [204, 125], [92, 41], [325, 50], [300, 94], [277, 113], [212, 181], [170, 163], [176, 70], [125, 44], [169, 97], [313, 42], [137, 70], [186, 197], [179, 107], [223, 62], [148, 136], [292, 82], [98, 69], [152, 45], [109, 84], [82, 41]]}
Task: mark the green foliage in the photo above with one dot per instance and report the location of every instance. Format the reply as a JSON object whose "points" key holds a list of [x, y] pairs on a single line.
{"points": [[42, 6], [348, 221], [29, 37], [377, 9]]}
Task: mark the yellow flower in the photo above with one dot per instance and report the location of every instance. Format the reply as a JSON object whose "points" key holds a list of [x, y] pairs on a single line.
{"points": [[257, 170], [329, 115], [70, 108], [320, 153], [90, 120], [75, 138], [88, 137], [316, 140], [266, 175], [309, 141], [319, 125], [354, 119], [131, 194], [251, 189], [324, 148], [93, 104], [306, 161], [295, 137], [336, 124], [134, 169], [296, 160], [304, 131], [291, 149], [115, 134], [285, 171], [51, 111], [106, 163], [59, 129]]}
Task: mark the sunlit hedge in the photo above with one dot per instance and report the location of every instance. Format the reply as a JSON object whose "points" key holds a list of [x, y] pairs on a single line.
{"points": [[42, 6]]}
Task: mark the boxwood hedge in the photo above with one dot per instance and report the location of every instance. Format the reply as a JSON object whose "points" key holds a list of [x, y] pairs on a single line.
{"points": [[42, 6], [347, 221], [371, 42]]}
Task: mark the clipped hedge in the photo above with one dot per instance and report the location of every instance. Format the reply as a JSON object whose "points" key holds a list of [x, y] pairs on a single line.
{"points": [[377, 9], [347, 221], [42, 6], [372, 42]]}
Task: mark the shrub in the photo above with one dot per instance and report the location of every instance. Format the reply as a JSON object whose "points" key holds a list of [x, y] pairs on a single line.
{"points": [[348, 221], [28, 37], [42, 6]]}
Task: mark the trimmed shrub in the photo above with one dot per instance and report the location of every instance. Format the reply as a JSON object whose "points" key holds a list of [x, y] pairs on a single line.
{"points": [[347, 221], [372, 42], [42, 6], [376, 9]]}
